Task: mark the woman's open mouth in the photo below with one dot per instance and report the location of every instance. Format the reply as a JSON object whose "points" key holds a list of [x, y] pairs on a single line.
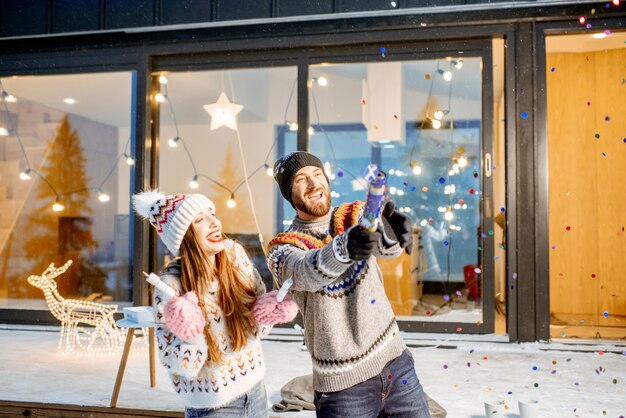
{"points": [[215, 235]]}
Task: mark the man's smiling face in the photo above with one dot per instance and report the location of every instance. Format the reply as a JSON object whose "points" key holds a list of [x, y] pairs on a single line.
{"points": [[310, 193]]}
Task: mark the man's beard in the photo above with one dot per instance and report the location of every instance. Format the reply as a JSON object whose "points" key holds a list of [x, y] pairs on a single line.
{"points": [[317, 209]]}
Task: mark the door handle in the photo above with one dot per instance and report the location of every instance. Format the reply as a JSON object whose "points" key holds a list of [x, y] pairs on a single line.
{"points": [[487, 165]]}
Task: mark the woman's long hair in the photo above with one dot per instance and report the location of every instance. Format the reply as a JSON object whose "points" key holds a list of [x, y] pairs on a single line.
{"points": [[235, 293]]}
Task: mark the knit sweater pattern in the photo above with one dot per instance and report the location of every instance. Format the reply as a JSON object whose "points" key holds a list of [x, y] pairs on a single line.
{"points": [[200, 382], [349, 325]]}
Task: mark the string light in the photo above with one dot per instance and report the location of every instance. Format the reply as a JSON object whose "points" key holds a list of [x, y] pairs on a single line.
{"points": [[194, 182], [415, 167], [439, 114], [7, 97], [269, 170], [435, 123], [69, 101], [57, 206], [447, 75], [231, 203], [4, 132], [173, 142], [458, 64], [25, 175], [462, 162], [103, 197], [449, 215], [162, 79], [129, 160], [160, 98], [293, 126], [87, 328]]}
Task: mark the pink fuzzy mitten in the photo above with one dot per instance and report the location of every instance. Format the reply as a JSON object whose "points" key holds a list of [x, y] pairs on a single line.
{"points": [[267, 310], [183, 316]]}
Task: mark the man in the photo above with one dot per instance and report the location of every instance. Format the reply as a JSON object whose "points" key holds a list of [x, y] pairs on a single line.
{"points": [[361, 366]]}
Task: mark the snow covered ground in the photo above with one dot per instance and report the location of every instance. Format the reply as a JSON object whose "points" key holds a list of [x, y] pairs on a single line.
{"points": [[460, 375]]}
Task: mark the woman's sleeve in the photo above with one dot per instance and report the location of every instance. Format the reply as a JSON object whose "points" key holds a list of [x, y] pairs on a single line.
{"points": [[185, 358], [251, 271]]}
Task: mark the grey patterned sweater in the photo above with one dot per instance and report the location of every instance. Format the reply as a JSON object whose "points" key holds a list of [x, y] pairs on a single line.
{"points": [[349, 326]]}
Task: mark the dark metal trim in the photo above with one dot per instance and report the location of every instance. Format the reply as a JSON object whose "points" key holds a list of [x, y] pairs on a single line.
{"points": [[511, 184], [525, 182], [303, 107]]}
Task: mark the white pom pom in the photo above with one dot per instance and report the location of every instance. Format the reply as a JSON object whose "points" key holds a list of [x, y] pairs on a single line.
{"points": [[143, 201]]}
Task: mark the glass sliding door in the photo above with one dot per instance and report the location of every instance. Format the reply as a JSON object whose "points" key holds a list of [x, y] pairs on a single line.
{"points": [[423, 122]]}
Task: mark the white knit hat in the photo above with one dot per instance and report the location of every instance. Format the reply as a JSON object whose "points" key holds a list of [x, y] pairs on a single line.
{"points": [[171, 215]]}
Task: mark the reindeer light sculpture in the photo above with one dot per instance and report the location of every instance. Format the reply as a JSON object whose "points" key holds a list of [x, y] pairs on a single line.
{"points": [[87, 328]]}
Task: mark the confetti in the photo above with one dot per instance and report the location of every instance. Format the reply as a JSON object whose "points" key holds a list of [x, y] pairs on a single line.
{"points": [[524, 115], [445, 243], [424, 189], [597, 136], [553, 361], [483, 235], [445, 366], [395, 116], [404, 381], [373, 301], [476, 172], [582, 20], [554, 247], [502, 210], [593, 276], [514, 275], [427, 76], [382, 51], [535, 368], [477, 270], [606, 314], [472, 191], [441, 180], [607, 118], [362, 101], [446, 297], [459, 329], [553, 372], [552, 69], [461, 201], [568, 228], [458, 293], [536, 385], [604, 154], [588, 104], [389, 377], [340, 173], [509, 393], [490, 232]]}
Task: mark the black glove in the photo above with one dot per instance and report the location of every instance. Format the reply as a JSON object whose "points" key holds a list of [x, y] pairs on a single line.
{"points": [[361, 242], [401, 224]]}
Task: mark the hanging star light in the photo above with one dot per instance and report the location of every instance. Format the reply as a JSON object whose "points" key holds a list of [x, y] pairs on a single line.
{"points": [[223, 113]]}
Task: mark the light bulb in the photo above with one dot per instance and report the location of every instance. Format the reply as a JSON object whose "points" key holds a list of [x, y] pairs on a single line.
{"points": [[447, 75], [159, 98], [417, 170], [269, 171], [293, 126], [4, 132], [173, 142], [322, 81], [130, 160], [162, 79], [9, 97], [194, 183], [103, 197], [25, 175], [458, 64], [436, 124], [57, 207], [69, 101], [462, 162], [438, 114], [231, 201], [449, 215], [311, 130]]}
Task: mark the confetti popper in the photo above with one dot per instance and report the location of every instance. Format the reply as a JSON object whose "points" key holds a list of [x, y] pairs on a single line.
{"points": [[374, 200], [156, 281], [283, 290]]}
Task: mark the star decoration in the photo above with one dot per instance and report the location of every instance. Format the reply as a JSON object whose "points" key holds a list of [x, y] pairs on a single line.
{"points": [[223, 113]]}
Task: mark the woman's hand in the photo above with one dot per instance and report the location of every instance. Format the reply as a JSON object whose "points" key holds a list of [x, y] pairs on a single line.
{"points": [[267, 310], [184, 317]]}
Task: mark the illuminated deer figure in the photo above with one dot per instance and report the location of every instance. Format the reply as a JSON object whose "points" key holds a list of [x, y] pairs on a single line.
{"points": [[96, 318]]}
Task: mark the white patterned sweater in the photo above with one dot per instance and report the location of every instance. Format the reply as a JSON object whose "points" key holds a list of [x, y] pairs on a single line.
{"points": [[202, 383]]}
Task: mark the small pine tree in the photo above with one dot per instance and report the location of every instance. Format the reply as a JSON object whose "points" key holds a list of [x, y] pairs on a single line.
{"points": [[237, 220], [59, 236]]}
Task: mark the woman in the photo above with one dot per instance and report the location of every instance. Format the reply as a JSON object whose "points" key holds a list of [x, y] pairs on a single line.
{"points": [[209, 338]]}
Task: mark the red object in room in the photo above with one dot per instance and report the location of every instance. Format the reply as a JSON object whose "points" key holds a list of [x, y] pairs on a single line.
{"points": [[472, 281]]}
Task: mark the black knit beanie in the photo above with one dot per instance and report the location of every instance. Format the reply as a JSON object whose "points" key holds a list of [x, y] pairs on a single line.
{"points": [[286, 167]]}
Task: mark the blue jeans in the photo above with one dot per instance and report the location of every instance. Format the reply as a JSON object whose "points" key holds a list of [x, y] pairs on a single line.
{"points": [[395, 392], [252, 404]]}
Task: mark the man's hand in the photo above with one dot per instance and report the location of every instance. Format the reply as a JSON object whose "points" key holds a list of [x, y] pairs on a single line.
{"points": [[361, 242], [401, 224]]}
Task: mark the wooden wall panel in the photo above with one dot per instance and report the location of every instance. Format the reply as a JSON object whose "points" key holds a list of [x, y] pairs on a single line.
{"points": [[587, 190]]}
